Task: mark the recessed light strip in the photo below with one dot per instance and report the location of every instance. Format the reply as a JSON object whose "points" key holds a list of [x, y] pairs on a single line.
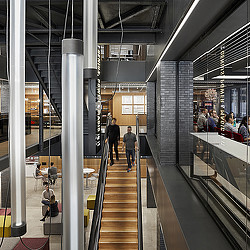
{"points": [[191, 9], [221, 42], [224, 66]]}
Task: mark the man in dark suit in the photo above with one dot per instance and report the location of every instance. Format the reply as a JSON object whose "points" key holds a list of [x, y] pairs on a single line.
{"points": [[113, 136]]}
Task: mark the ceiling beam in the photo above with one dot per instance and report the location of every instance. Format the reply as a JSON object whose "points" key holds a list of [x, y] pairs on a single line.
{"points": [[128, 15], [100, 20], [79, 2], [78, 30], [60, 12], [44, 20], [156, 15]]}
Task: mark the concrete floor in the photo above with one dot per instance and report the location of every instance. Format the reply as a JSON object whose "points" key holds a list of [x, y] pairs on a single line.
{"points": [[35, 227]]}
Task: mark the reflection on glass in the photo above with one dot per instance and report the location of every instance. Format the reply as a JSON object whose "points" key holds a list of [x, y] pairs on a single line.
{"points": [[31, 116]]}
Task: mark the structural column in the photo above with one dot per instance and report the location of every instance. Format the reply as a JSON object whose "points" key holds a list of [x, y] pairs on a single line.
{"points": [[17, 117], [173, 113], [151, 108], [41, 118], [72, 144], [92, 116], [166, 111], [185, 112]]}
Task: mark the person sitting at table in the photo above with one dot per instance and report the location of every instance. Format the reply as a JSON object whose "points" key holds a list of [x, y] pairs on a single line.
{"points": [[229, 124], [52, 209], [38, 171], [211, 120], [243, 129], [47, 194], [202, 120]]}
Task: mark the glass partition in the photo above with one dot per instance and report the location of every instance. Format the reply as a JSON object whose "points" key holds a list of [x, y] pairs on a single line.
{"points": [[221, 132], [31, 116]]}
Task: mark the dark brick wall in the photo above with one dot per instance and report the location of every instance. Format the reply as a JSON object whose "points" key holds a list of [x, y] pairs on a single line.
{"points": [[166, 112], [5, 97], [151, 108], [174, 111], [185, 111], [5, 176]]}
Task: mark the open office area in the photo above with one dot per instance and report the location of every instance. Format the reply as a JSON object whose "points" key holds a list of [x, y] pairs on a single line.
{"points": [[124, 124]]}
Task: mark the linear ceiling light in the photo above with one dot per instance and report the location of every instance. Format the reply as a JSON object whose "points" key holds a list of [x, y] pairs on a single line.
{"points": [[231, 63], [221, 42], [235, 77], [184, 20]]}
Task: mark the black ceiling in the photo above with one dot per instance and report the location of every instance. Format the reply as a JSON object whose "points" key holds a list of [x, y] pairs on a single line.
{"points": [[140, 21]]}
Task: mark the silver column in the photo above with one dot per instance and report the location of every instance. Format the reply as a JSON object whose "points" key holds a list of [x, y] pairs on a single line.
{"points": [[90, 30], [17, 117], [72, 144]]}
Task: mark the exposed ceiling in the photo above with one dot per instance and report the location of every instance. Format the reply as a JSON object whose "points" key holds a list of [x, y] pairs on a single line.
{"points": [[140, 20]]}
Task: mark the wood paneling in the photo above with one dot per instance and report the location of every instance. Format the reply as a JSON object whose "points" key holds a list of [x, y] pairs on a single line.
{"points": [[125, 120]]}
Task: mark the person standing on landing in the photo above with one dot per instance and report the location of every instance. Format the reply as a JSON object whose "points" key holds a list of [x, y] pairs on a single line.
{"points": [[129, 139], [113, 136]]}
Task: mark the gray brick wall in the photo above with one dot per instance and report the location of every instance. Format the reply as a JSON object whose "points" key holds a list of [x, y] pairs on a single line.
{"points": [[5, 176], [185, 111], [166, 112], [151, 108], [172, 125], [5, 96]]}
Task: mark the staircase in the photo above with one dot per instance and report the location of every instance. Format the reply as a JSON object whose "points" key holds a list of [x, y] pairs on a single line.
{"points": [[119, 228], [38, 59]]}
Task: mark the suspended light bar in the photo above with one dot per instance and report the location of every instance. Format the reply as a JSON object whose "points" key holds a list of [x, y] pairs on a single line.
{"points": [[72, 144], [17, 117], [173, 37], [90, 31]]}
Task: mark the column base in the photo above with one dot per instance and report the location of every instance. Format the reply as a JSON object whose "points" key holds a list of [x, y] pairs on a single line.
{"points": [[17, 231]]}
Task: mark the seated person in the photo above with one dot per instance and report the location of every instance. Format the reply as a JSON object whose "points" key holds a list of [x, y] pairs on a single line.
{"points": [[229, 123], [38, 171], [52, 210], [211, 121], [52, 174], [243, 129], [47, 194], [202, 120]]}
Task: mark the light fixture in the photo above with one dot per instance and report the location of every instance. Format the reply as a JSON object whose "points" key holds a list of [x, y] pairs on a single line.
{"points": [[184, 20], [238, 60], [72, 143], [221, 42], [230, 77], [90, 34], [17, 150]]}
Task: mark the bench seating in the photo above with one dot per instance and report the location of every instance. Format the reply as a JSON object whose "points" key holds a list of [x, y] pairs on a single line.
{"points": [[7, 230], [91, 202], [56, 226]]}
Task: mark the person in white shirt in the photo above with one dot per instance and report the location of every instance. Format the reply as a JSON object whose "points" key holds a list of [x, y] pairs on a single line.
{"points": [[202, 120], [229, 124], [47, 193]]}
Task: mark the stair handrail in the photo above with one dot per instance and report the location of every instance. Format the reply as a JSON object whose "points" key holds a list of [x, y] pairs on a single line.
{"points": [[97, 216], [138, 174]]}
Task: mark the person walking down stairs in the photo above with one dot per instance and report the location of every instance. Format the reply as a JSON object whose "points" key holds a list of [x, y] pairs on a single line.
{"points": [[129, 139], [113, 137]]}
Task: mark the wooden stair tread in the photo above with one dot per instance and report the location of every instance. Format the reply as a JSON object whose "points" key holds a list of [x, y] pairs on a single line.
{"points": [[119, 210], [119, 240], [121, 201], [115, 178], [120, 185]]}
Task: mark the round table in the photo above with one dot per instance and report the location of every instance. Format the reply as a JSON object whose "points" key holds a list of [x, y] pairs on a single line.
{"points": [[88, 171]]}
